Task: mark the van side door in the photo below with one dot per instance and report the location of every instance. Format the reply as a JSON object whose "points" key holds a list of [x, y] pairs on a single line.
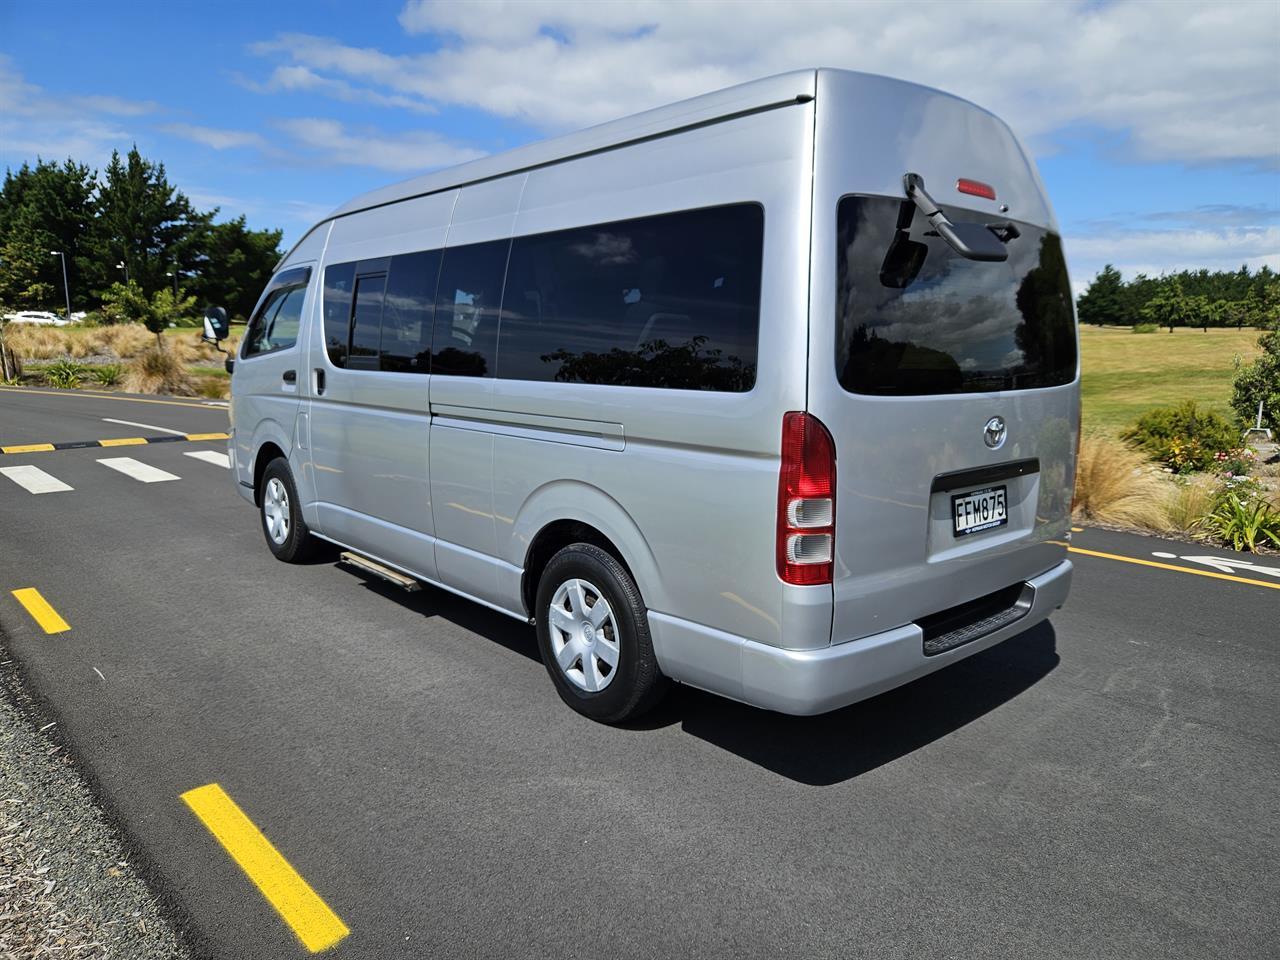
{"points": [[369, 413]]}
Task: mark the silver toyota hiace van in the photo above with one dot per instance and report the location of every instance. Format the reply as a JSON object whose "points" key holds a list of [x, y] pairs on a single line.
{"points": [[772, 392]]}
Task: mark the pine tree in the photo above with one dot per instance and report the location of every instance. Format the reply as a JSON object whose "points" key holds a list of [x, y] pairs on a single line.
{"points": [[1104, 300]]}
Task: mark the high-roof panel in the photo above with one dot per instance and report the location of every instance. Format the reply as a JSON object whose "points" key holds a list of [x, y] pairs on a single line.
{"points": [[756, 95]]}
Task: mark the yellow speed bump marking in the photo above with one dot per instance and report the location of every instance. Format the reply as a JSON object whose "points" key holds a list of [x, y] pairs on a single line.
{"points": [[1171, 566], [40, 610], [122, 442], [208, 436], [28, 448], [299, 906]]}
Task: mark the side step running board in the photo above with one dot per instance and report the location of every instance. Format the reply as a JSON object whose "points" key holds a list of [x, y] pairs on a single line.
{"points": [[405, 583]]}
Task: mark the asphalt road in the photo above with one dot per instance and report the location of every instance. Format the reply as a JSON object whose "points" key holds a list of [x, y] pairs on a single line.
{"points": [[1102, 786]]}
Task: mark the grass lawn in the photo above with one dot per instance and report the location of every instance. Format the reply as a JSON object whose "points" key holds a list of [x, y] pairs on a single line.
{"points": [[1125, 373]]}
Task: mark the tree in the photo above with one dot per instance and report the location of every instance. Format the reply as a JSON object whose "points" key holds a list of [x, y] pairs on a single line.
{"points": [[1104, 302], [126, 303], [1169, 307], [234, 266], [142, 221], [42, 209]]}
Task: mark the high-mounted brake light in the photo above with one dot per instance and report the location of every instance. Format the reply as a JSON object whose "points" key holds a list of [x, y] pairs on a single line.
{"points": [[976, 188], [806, 501]]}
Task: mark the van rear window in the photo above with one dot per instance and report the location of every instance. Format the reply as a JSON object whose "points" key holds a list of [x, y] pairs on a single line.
{"points": [[913, 317]]}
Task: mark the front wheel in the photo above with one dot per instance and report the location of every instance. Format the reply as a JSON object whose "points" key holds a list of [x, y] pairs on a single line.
{"points": [[281, 512], [593, 632]]}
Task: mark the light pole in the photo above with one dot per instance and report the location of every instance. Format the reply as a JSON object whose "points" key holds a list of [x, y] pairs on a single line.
{"points": [[174, 274], [125, 267], [66, 287]]}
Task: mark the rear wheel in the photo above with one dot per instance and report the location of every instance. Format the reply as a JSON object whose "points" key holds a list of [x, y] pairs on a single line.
{"points": [[281, 512], [593, 631]]}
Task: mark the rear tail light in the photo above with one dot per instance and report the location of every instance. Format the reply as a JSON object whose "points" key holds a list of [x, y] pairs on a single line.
{"points": [[806, 501]]}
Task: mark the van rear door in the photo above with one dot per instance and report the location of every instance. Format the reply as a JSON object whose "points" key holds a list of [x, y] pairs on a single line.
{"points": [[948, 383]]}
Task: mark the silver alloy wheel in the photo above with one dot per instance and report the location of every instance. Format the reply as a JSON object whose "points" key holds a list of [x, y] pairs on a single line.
{"points": [[584, 635], [275, 510]]}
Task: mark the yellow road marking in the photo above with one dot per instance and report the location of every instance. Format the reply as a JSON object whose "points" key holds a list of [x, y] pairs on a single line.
{"points": [[208, 436], [28, 448], [122, 442], [110, 396], [1077, 529], [40, 611], [299, 906], [1170, 566]]}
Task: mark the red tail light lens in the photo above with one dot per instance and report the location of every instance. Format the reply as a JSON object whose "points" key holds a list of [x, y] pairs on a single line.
{"points": [[976, 188], [806, 501]]}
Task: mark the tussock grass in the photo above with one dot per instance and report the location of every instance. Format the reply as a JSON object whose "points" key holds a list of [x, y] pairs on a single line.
{"points": [[1190, 500], [158, 371], [1117, 485]]}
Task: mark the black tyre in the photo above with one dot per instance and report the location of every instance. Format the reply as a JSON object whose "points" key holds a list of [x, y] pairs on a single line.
{"points": [[281, 514], [593, 632]]}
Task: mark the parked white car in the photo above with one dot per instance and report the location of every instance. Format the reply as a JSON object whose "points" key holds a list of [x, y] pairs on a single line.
{"points": [[39, 317]]}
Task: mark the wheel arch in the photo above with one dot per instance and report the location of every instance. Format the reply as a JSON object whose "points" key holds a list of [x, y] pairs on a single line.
{"points": [[564, 512]]}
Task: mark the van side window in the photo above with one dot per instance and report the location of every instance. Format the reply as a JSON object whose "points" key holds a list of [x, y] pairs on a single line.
{"points": [[666, 301], [275, 325], [407, 309], [339, 281], [366, 321], [465, 336]]}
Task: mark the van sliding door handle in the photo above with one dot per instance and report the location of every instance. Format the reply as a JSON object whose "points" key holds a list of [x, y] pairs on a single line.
{"points": [[290, 376], [319, 380]]}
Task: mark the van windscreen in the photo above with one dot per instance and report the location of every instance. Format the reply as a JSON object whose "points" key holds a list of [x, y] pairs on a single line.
{"points": [[913, 317]]}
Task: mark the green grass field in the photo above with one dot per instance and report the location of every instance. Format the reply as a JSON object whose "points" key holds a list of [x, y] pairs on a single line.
{"points": [[1126, 373]]}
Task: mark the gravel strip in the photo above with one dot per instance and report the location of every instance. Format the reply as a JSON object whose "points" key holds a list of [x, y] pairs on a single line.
{"points": [[67, 889]]}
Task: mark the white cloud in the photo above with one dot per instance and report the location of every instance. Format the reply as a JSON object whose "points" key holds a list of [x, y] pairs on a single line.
{"points": [[214, 137], [1154, 252], [35, 123], [300, 79], [329, 141], [1186, 82]]}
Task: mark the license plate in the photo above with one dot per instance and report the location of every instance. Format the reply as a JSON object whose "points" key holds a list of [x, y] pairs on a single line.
{"points": [[979, 510]]}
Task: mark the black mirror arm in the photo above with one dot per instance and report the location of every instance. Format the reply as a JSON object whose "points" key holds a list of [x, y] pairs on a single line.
{"points": [[971, 241]]}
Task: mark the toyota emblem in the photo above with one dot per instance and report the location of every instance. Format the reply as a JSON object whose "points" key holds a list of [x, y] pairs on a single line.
{"points": [[994, 433]]}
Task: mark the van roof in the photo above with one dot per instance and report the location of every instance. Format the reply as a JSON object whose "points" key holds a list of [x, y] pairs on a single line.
{"points": [[798, 86]]}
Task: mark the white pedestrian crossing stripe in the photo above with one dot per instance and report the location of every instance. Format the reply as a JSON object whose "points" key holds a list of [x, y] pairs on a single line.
{"points": [[210, 456], [139, 471], [34, 480]]}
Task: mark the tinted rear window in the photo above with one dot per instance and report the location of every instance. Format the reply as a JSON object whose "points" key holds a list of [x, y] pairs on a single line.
{"points": [[912, 317]]}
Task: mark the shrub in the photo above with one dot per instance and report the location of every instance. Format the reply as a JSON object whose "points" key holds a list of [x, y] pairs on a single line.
{"points": [[215, 388], [109, 374], [1235, 463], [1115, 484], [1183, 436], [158, 371], [65, 374], [1259, 382], [37, 343], [1244, 520], [1145, 328]]}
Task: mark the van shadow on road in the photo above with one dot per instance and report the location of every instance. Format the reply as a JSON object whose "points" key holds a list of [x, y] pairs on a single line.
{"points": [[818, 751]]}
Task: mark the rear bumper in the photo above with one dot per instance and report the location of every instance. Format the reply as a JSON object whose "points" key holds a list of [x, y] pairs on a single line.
{"points": [[815, 681]]}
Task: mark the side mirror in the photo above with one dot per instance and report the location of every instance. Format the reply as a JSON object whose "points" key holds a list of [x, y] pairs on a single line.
{"points": [[216, 325]]}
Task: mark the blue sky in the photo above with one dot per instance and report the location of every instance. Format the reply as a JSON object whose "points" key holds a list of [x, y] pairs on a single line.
{"points": [[1156, 125]]}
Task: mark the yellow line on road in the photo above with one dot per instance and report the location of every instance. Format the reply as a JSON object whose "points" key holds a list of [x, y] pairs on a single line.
{"points": [[28, 448], [108, 396], [208, 436], [299, 906], [1170, 566], [122, 442], [40, 610]]}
